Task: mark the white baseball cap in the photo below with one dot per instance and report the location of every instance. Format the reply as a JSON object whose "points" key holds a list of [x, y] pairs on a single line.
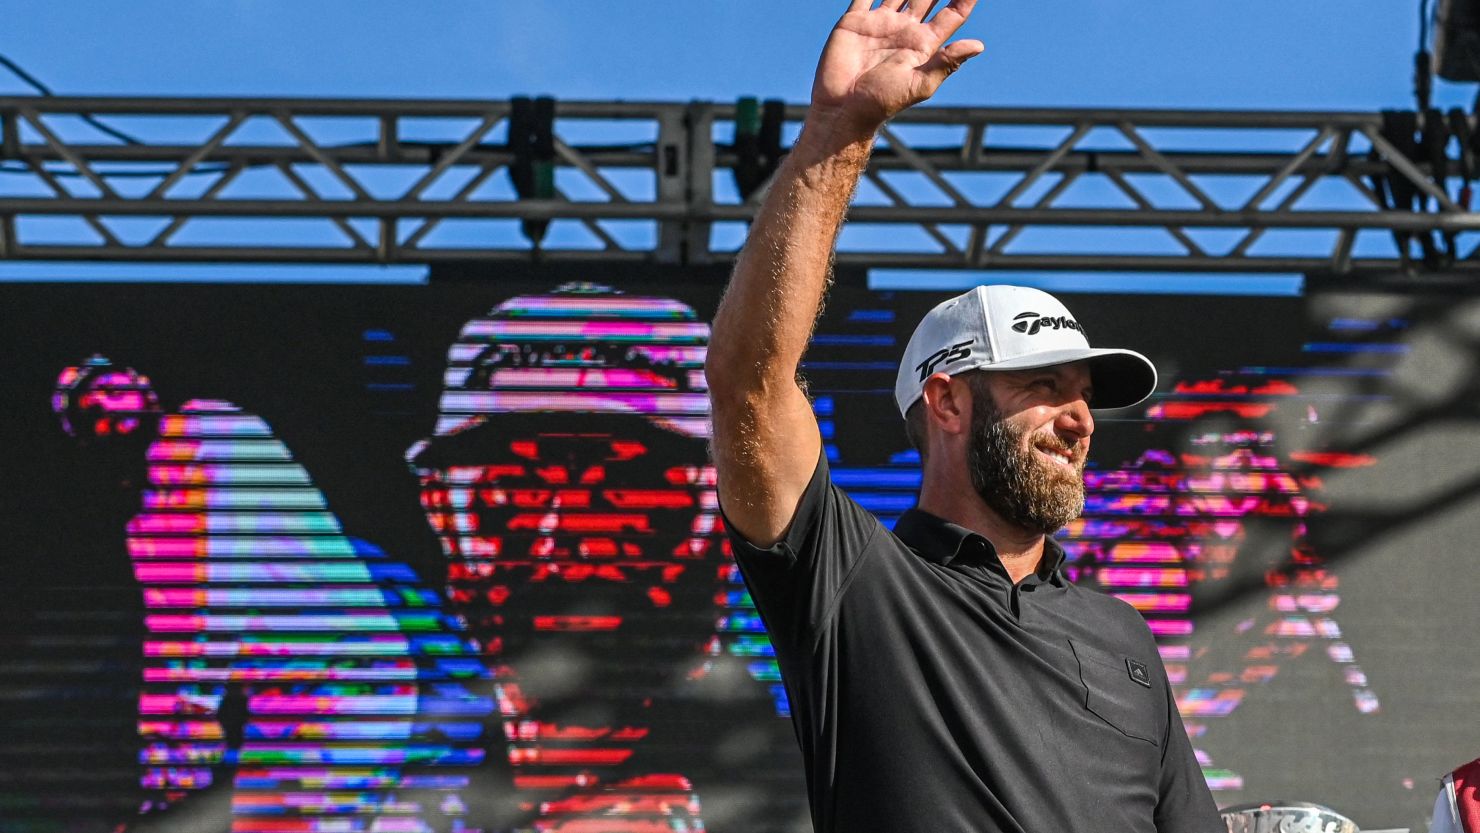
{"points": [[1015, 328]]}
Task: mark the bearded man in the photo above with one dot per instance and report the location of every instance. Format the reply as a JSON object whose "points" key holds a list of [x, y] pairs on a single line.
{"points": [[945, 676]]}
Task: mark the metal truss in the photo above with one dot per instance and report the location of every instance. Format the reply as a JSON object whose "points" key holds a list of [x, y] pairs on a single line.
{"points": [[386, 182]]}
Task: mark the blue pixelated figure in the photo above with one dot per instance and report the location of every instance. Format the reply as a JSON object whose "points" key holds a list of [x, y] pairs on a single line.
{"points": [[291, 671]]}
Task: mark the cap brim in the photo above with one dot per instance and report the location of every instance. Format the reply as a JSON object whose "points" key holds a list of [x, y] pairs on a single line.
{"points": [[1121, 378]]}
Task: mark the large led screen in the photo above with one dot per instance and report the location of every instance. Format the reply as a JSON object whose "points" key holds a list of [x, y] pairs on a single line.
{"points": [[448, 557]]}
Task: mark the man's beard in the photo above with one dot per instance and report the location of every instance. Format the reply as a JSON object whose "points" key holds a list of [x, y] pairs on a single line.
{"points": [[1021, 488]]}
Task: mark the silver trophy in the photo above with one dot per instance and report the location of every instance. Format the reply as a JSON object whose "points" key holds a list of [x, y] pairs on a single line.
{"points": [[1286, 817]]}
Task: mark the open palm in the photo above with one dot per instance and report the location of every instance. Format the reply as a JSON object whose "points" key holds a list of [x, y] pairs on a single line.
{"points": [[879, 61]]}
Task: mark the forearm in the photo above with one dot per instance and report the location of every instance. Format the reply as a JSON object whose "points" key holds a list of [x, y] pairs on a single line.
{"points": [[765, 436], [763, 324]]}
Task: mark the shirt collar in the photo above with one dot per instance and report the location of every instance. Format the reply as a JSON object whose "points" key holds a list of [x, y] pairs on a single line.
{"points": [[942, 542]]}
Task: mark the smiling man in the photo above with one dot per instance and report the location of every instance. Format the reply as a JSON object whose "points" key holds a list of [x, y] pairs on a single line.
{"points": [[945, 676]]}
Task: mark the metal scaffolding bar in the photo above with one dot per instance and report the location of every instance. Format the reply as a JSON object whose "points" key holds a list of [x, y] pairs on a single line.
{"points": [[426, 181]]}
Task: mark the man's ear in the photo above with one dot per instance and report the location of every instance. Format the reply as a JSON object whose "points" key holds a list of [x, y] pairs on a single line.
{"points": [[946, 404]]}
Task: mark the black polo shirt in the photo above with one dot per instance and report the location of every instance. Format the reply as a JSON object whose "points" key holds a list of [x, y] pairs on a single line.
{"points": [[932, 695]]}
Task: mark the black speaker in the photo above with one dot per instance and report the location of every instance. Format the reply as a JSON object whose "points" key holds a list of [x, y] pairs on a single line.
{"points": [[1457, 40]]}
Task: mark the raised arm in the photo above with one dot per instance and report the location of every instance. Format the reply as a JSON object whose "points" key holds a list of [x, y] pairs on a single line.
{"points": [[877, 62]]}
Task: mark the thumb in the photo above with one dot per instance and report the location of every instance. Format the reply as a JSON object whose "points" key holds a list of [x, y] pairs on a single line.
{"points": [[949, 58]]}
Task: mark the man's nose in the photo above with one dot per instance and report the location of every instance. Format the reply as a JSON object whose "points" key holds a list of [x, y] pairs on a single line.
{"points": [[1076, 419]]}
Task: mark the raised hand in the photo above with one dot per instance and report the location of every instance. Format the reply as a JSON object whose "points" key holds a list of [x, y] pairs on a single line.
{"points": [[879, 61]]}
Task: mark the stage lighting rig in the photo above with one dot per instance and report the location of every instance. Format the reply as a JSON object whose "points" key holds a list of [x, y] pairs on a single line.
{"points": [[532, 143], [1457, 40], [758, 149]]}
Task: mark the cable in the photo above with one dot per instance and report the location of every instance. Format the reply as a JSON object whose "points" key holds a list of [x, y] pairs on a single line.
{"points": [[22, 168], [1423, 63], [25, 76], [9, 167], [35, 83], [46, 91]]}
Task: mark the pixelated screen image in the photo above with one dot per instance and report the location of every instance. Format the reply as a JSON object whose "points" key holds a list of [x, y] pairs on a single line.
{"points": [[449, 558]]}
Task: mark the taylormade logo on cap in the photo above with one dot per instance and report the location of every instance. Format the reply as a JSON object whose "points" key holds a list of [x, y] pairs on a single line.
{"points": [[1015, 328], [1032, 322]]}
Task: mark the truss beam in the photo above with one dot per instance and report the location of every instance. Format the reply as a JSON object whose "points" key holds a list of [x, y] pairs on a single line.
{"points": [[389, 181]]}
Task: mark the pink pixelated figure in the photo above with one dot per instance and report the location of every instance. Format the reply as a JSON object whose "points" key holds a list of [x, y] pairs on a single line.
{"points": [[1210, 516], [285, 662]]}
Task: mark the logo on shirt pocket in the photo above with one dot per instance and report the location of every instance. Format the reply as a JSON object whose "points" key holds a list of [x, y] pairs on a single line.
{"points": [[1114, 693]]}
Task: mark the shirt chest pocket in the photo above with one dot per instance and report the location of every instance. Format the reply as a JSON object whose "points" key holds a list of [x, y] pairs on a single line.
{"points": [[1116, 690]]}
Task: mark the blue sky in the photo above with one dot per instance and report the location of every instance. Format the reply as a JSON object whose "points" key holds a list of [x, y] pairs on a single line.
{"points": [[1315, 54], [1258, 54]]}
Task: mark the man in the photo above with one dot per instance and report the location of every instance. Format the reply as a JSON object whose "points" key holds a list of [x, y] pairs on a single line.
{"points": [[943, 677]]}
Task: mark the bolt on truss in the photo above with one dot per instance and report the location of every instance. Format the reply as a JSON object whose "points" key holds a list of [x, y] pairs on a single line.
{"points": [[422, 181]]}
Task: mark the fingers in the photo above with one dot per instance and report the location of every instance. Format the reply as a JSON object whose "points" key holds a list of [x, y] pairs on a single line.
{"points": [[949, 58], [920, 9], [962, 51], [949, 19], [943, 25]]}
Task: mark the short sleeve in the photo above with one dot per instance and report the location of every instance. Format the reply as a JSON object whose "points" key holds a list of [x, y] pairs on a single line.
{"points": [[1184, 803], [797, 582]]}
